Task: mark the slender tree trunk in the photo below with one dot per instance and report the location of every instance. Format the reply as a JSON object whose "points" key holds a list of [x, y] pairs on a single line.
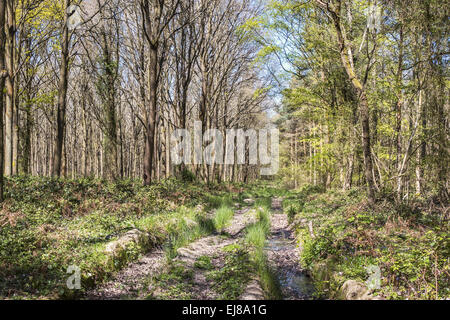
{"points": [[3, 75], [62, 98], [9, 114], [347, 62], [151, 118]]}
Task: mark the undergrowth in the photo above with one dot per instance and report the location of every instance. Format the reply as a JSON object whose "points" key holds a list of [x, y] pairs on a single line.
{"points": [[47, 225], [229, 281], [409, 243]]}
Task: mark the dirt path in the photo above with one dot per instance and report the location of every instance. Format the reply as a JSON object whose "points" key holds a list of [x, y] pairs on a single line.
{"points": [[283, 256], [137, 280], [127, 283], [200, 288], [186, 276]]}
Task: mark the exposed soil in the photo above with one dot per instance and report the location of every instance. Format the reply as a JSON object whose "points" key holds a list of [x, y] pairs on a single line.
{"points": [[127, 283], [140, 279], [133, 281]]}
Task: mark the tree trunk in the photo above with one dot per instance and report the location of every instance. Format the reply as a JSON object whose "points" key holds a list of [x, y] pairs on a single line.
{"points": [[62, 98], [9, 114], [2, 86]]}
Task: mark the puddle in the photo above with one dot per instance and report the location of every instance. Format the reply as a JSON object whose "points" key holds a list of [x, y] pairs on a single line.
{"points": [[294, 283], [279, 244]]}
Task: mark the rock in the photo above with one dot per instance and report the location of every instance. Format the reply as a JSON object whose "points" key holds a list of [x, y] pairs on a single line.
{"points": [[249, 202], [354, 290], [237, 205], [133, 236]]}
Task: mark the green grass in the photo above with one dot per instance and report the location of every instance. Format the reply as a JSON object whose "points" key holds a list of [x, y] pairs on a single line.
{"points": [[218, 201], [47, 225], [223, 217], [230, 280], [245, 259], [256, 235], [188, 228]]}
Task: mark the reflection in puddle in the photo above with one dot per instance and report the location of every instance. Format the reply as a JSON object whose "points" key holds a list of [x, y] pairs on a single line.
{"points": [[297, 282]]}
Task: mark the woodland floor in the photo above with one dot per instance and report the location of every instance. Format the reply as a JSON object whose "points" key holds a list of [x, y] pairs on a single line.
{"points": [[224, 241], [138, 280], [187, 276], [283, 255]]}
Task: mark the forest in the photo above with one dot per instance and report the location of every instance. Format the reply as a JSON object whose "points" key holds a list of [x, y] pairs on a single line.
{"points": [[346, 197]]}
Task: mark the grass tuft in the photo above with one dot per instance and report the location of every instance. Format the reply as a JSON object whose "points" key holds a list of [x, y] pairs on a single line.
{"points": [[223, 217], [256, 238]]}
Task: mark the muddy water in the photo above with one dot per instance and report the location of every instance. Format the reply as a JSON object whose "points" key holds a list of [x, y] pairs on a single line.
{"points": [[283, 256], [294, 282]]}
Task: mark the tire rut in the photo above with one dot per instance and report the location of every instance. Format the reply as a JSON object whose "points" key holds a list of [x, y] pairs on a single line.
{"points": [[132, 282], [283, 256]]}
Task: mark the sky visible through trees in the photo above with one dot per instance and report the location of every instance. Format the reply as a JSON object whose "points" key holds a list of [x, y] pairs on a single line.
{"points": [[360, 88], [172, 119]]}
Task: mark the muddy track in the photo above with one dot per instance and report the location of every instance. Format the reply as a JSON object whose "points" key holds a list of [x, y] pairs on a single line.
{"points": [[135, 281], [141, 279], [283, 257]]}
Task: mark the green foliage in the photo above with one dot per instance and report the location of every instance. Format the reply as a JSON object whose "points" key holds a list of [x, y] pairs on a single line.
{"points": [[223, 217], [49, 224], [319, 109], [317, 248], [411, 250], [257, 232], [422, 264], [217, 201], [256, 238], [230, 280], [292, 207], [191, 226], [203, 262], [188, 176]]}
